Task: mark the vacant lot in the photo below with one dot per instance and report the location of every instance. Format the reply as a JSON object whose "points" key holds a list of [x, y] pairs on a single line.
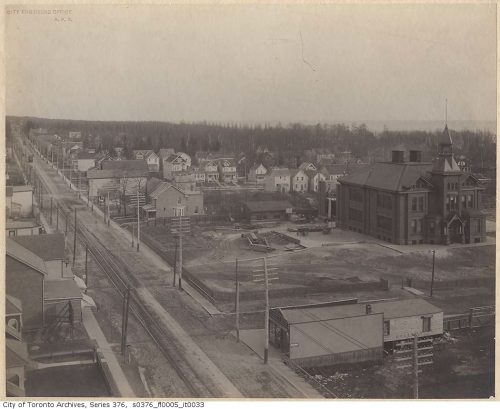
{"points": [[335, 263]]}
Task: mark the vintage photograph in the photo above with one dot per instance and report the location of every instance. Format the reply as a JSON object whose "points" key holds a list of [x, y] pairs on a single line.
{"points": [[250, 200]]}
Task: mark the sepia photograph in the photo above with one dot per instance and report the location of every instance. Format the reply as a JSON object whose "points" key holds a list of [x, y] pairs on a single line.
{"points": [[246, 200]]}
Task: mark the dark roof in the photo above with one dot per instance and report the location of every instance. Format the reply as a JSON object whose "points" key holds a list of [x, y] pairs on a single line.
{"points": [[391, 309], [268, 206], [13, 305], [46, 246], [85, 155], [445, 137], [61, 290], [116, 173], [18, 252], [16, 353], [124, 165], [335, 169], [389, 176]]}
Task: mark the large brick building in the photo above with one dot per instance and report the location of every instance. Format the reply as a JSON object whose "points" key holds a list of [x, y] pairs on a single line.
{"points": [[410, 202]]}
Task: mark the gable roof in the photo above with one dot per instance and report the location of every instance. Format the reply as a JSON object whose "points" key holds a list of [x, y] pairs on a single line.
{"points": [[268, 205], [46, 246], [279, 172], [294, 172], [21, 254], [163, 187], [388, 175], [13, 305], [16, 353]]}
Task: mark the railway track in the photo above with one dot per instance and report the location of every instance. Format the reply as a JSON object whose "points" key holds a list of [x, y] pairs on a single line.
{"points": [[121, 278]]}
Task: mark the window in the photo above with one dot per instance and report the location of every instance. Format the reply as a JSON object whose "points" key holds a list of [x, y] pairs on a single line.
{"points": [[478, 226], [196, 209], [414, 204], [464, 201], [384, 222], [451, 202], [470, 201], [426, 324], [432, 227], [355, 215], [387, 328], [12, 232], [355, 195], [384, 201], [413, 226], [421, 204]]}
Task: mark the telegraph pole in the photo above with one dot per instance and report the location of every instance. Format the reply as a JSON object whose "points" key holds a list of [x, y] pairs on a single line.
{"points": [[57, 217], [66, 227], [264, 277], [51, 202], [74, 243], [415, 367], [126, 301], [175, 262], [266, 328], [180, 253], [107, 207], [433, 263], [237, 304], [138, 222], [86, 269]]}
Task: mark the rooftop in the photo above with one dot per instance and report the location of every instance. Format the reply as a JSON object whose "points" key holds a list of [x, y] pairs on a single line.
{"points": [[18, 252], [117, 173], [124, 165], [13, 305], [21, 224], [390, 309], [61, 290], [46, 246], [268, 205]]}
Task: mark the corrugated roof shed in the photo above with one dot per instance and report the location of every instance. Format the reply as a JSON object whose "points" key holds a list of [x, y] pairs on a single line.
{"points": [[390, 309]]}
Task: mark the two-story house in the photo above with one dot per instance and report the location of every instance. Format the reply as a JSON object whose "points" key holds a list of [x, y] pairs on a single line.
{"points": [[227, 171], [299, 180], [277, 180], [257, 173], [151, 158]]}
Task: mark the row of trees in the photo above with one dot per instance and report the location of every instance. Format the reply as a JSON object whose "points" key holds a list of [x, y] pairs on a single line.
{"points": [[287, 143]]}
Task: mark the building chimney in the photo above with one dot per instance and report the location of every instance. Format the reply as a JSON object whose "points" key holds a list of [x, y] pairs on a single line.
{"points": [[415, 156], [398, 156], [368, 309]]}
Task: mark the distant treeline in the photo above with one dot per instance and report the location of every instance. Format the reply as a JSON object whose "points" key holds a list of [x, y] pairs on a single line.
{"points": [[287, 143]]}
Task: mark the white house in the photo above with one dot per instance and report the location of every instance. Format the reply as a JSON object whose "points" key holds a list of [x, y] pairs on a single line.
{"points": [[172, 163], [211, 170], [278, 180], [257, 173], [314, 179], [227, 171], [151, 158], [299, 180], [19, 201], [82, 161]]}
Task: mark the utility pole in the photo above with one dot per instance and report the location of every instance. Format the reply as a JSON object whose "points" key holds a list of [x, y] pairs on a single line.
{"points": [[433, 263], [74, 243], [51, 202], [132, 235], [266, 328], [57, 217], [263, 276], [415, 367], [138, 222], [86, 268], [66, 227], [175, 262], [107, 207], [178, 228], [126, 301], [180, 253], [237, 303]]}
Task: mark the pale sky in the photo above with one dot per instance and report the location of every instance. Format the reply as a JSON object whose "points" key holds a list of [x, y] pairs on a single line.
{"points": [[288, 63]]}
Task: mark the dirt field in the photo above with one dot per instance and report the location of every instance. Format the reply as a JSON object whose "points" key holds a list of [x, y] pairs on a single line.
{"points": [[210, 254]]}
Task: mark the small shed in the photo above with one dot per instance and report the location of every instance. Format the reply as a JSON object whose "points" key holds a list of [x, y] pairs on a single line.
{"points": [[267, 210]]}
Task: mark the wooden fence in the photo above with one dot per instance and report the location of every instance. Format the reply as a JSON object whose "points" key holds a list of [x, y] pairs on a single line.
{"points": [[474, 318]]}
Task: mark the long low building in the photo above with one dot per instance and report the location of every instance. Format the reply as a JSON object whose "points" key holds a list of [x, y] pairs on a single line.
{"points": [[348, 331], [266, 210]]}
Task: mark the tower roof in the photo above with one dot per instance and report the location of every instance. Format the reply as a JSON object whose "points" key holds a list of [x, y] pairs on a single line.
{"points": [[445, 138]]}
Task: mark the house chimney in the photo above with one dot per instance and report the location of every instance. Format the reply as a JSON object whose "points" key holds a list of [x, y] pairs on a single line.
{"points": [[368, 309], [398, 156], [415, 156]]}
